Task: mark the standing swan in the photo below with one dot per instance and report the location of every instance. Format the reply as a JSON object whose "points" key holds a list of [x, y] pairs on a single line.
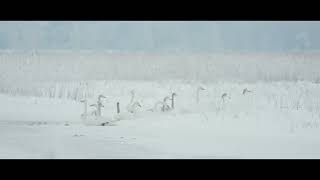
{"points": [[133, 105], [87, 115], [165, 106], [131, 101], [99, 104], [200, 88], [224, 95]]}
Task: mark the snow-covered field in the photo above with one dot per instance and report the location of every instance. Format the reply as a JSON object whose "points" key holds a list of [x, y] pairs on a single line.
{"points": [[40, 108]]}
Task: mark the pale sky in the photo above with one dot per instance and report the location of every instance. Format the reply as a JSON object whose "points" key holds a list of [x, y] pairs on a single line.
{"points": [[161, 35]]}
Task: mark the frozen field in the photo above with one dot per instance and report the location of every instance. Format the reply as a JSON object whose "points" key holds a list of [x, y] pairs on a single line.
{"points": [[40, 108]]}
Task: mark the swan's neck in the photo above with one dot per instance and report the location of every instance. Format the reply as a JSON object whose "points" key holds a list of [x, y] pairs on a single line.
{"points": [[132, 98], [118, 108], [172, 101], [99, 108]]}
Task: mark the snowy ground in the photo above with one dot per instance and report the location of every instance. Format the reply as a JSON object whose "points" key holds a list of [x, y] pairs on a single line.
{"points": [[276, 120]]}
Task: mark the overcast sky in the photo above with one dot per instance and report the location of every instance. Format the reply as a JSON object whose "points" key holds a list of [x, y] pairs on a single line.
{"points": [[157, 35]]}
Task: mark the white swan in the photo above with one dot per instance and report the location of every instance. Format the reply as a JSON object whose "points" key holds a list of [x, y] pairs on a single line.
{"points": [[124, 115], [97, 120], [200, 88], [87, 114], [133, 106], [131, 101], [99, 104], [163, 104], [159, 105], [94, 117], [224, 95], [88, 117]]}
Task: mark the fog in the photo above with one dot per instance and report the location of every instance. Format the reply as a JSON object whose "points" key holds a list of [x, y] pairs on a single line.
{"points": [[161, 35]]}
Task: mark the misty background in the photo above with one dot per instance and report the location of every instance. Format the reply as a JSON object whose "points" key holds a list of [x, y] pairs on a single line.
{"points": [[161, 35]]}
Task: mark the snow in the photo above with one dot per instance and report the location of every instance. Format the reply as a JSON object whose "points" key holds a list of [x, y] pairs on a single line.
{"points": [[263, 124], [40, 108]]}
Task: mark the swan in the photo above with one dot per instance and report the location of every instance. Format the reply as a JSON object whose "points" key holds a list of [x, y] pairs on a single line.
{"points": [[131, 114], [165, 106], [88, 117], [131, 100], [99, 104], [200, 88], [86, 114], [156, 106], [94, 119], [133, 106], [224, 95]]}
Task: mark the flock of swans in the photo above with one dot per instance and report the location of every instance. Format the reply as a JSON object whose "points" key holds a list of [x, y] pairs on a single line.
{"points": [[95, 117]]}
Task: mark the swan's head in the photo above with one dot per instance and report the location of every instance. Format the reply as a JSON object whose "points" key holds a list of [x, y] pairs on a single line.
{"points": [[201, 88], [94, 105], [174, 94], [101, 96], [244, 90], [83, 101]]}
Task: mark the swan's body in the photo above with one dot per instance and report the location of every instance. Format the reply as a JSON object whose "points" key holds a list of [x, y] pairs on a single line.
{"points": [[165, 106], [134, 107], [157, 105]]}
